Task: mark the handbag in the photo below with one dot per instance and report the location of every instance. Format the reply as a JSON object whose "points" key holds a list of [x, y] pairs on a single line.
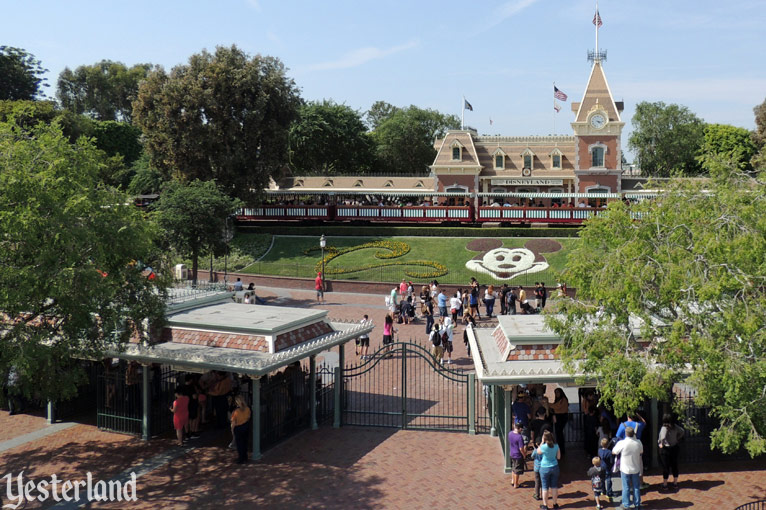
{"points": [[616, 466]]}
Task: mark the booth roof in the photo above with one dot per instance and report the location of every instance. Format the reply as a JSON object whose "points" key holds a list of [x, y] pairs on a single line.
{"points": [[198, 358]]}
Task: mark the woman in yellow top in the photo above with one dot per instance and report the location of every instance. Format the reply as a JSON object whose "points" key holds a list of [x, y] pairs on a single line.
{"points": [[239, 420]]}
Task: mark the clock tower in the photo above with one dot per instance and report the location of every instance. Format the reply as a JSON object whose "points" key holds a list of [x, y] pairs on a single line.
{"points": [[598, 134]]}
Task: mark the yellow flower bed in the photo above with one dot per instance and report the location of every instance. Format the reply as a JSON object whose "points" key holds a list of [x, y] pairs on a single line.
{"points": [[394, 249]]}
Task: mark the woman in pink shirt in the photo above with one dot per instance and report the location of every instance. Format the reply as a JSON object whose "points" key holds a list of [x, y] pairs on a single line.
{"points": [[180, 410]]}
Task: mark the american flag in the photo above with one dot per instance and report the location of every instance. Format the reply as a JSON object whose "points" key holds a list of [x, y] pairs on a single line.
{"points": [[556, 106], [558, 94], [597, 19]]}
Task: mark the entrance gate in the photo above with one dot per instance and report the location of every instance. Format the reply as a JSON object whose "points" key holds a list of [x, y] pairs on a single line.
{"points": [[402, 386]]}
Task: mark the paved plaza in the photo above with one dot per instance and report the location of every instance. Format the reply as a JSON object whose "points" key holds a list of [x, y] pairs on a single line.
{"points": [[351, 467]]}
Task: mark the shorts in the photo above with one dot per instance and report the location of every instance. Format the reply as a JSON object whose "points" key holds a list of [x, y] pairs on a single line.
{"points": [[517, 466], [447, 346], [597, 493], [387, 339], [363, 341], [320, 293], [549, 477]]}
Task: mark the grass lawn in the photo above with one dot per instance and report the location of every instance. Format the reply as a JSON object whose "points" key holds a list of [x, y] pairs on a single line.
{"points": [[287, 258]]}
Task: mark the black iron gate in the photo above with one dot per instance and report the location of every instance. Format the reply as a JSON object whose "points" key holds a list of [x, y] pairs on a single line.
{"points": [[403, 386]]}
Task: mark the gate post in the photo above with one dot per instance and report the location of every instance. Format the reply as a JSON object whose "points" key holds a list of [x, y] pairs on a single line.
{"points": [[472, 404], [404, 386], [256, 414], [654, 432], [338, 391], [492, 411], [313, 390], [146, 432], [51, 412], [509, 425]]}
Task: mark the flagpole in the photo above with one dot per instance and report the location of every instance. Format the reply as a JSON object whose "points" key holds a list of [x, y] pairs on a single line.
{"points": [[554, 109], [462, 115], [598, 59]]}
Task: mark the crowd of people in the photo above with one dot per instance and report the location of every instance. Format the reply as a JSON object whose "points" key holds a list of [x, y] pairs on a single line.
{"points": [[537, 436]]}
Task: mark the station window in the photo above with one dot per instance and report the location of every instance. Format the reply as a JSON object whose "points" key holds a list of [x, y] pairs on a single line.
{"points": [[499, 161], [597, 157], [527, 161], [556, 161], [456, 153]]}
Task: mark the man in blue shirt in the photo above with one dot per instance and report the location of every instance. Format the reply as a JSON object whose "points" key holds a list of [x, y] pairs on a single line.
{"points": [[441, 300], [522, 414], [634, 420]]}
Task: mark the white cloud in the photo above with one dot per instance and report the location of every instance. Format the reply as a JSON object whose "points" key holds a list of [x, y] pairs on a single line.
{"points": [[507, 10], [255, 4], [361, 56]]}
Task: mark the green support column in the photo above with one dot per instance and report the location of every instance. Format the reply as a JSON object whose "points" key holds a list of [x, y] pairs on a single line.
{"points": [[51, 412], [313, 391], [342, 356], [492, 410], [256, 418], [654, 432], [338, 387], [507, 412], [146, 396], [472, 404]]}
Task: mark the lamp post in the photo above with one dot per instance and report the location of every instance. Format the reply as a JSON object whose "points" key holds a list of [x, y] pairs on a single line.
{"points": [[322, 244]]}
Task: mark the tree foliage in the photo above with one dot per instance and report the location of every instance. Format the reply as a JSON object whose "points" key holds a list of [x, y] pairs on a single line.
{"points": [[118, 138], [379, 112], [666, 139], [21, 75], [329, 139], [678, 296], [193, 218], [223, 116], [405, 140], [727, 143], [68, 285], [103, 91]]}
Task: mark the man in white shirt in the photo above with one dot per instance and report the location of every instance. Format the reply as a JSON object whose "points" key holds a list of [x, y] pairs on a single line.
{"points": [[630, 450]]}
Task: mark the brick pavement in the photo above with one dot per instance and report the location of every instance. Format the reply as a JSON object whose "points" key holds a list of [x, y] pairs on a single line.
{"points": [[352, 467]]}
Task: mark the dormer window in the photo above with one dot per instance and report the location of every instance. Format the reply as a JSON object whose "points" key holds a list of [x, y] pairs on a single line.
{"points": [[358, 184], [528, 157], [499, 156], [389, 184], [457, 151], [328, 183], [556, 159]]}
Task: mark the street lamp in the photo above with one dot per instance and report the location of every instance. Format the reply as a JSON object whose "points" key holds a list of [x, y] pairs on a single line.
{"points": [[322, 244]]}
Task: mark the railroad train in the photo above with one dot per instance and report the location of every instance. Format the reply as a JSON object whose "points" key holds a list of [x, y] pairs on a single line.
{"points": [[435, 208]]}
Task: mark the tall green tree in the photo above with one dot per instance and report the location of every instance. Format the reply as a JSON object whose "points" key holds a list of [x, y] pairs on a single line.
{"points": [[405, 140], [666, 139], [223, 116], [193, 218], [679, 296], [330, 139], [379, 112], [727, 143], [68, 288], [104, 91], [21, 75]]}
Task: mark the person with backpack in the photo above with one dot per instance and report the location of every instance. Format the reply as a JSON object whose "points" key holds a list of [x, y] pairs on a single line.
{"points": [[446, 334], [436, 341], [428, 313]]}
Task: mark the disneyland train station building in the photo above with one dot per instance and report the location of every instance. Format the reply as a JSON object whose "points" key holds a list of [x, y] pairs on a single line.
{"points": [[589, 162]]}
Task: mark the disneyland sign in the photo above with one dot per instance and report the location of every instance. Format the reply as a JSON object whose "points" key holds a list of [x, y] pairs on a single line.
{"points": [[527, 182]]}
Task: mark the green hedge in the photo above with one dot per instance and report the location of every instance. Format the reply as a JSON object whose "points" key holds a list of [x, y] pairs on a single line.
{"points": [[389, 231]]}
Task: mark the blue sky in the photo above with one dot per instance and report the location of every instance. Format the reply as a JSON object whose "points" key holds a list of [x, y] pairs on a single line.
{"points": [[503, 56]]}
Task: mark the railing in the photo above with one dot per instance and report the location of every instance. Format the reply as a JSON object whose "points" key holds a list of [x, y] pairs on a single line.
{"points": [[271, 212], [536, 214], [405, 213], [753, 505]]}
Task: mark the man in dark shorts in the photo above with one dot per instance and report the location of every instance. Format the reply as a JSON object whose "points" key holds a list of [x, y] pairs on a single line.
{"points": [[517, 452], [363, 342]]}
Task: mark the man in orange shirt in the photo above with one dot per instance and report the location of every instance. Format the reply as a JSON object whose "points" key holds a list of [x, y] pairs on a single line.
{"points": [[319, 286]]}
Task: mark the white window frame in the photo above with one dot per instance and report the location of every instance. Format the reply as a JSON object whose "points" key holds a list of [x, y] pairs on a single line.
{"points": [[498, 152], [528, 152], [557, 152], [456, 145], [598, 145]]}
